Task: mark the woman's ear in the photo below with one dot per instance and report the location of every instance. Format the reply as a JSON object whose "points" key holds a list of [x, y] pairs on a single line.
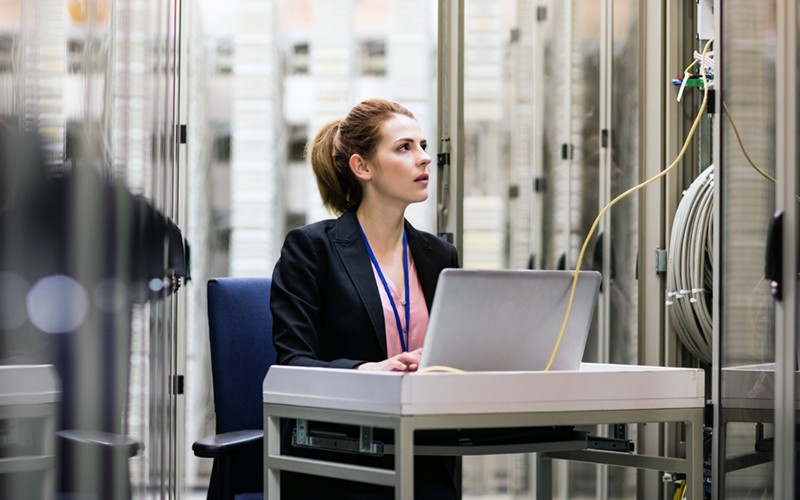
{"points": [[360, 167]]}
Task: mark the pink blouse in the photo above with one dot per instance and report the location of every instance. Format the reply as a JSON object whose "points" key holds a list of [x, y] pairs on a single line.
{"points": [[418, 313]]}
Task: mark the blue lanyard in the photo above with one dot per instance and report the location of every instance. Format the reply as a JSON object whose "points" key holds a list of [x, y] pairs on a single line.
{"points": [[402, 332]]}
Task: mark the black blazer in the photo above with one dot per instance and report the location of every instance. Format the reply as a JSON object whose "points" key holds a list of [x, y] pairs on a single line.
{"points": [[326, 306], [327, 311]]}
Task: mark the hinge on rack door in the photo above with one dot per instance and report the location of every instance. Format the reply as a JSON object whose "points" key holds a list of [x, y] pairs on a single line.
{"points": [[177, 384]]}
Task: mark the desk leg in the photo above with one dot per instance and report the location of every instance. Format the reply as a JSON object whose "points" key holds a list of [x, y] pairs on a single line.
{"points": [[272, 483], [404, 460], [694, 456], [544, 477]]}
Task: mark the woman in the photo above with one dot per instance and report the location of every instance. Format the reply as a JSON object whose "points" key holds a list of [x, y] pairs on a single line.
{"points": [[355, 292]]}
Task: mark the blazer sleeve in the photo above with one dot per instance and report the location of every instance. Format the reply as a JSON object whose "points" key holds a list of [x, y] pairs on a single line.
{"points": [[295, 303]]}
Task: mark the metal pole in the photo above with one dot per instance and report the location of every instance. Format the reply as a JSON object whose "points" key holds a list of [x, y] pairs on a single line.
{"points": [[450, 123], [786, 310]]}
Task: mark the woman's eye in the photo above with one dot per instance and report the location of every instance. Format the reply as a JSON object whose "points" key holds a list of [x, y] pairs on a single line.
{"points": [[424, 146]]}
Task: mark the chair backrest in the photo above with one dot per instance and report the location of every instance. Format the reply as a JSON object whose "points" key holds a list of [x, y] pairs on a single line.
{"points": [[240, 333]]}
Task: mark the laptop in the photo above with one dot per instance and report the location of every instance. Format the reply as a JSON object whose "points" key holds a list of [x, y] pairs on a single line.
{"points": [[508, 320]]}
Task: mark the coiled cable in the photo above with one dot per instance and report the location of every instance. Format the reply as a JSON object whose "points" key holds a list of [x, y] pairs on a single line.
{"points": [[689, 267]]}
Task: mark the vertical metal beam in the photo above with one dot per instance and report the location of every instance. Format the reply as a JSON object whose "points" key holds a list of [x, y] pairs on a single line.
{"points": [[652, 154], [564, 217], [717, 358], [694, 454], [450, 123], [604, 197], [679, 44], [404, 460], [680, 41], [537, 128], [183, 18], [272, 447], [652, 157], [543, 477], [786, 310]]}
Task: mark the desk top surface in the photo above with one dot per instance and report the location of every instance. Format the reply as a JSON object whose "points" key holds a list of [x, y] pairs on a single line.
{"points": [[593, 387], [752, 386], [28, 385]]}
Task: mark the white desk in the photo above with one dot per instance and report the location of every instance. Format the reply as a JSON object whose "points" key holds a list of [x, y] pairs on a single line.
{"points": [[751, 387], [29, 396], [597, 394], [748, 396]]}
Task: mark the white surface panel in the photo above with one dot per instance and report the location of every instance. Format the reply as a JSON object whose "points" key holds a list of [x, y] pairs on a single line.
{"points": [[752, 386], [28, 385], [594, 387]]}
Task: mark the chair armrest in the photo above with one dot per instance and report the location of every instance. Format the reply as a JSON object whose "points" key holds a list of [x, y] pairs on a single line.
{"points": [[105, 440], [227, 443]]}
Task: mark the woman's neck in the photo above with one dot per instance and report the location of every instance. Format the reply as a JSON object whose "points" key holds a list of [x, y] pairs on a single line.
{"points": [[384, 228]]}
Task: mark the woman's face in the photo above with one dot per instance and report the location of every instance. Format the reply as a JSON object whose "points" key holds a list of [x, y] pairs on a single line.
{"points": [[400, 166]]}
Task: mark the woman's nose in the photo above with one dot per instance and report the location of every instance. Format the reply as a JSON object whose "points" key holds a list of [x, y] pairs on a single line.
{"points": [[425, 159]]}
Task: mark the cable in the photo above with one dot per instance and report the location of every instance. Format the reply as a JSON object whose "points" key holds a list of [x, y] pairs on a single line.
{"points": [[689, 277], [448, 369], [620, 197], [691, 320], [741, 143], [744, 149]]}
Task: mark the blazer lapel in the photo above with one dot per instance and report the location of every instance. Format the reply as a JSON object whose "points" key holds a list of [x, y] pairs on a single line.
{"points": [[427, 272], [349, 244]]}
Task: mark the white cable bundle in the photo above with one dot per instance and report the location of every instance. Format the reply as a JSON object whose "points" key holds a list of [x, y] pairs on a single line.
{"points": [[689, 267]]}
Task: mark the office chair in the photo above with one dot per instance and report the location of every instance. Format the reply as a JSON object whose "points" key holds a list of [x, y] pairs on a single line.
{"points": [[240, 334]]}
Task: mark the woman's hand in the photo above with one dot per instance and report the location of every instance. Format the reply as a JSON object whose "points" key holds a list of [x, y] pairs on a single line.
{"points": [[403, 362]]}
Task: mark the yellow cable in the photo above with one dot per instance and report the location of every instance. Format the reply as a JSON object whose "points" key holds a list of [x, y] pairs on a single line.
{"points": [[449, 369], [613, 202], [741, 143], [680, 491], [744, 149]]}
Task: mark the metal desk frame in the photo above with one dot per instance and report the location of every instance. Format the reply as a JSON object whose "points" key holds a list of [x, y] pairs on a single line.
{"points": [[31, 393], [747, 396], [404, 421]]}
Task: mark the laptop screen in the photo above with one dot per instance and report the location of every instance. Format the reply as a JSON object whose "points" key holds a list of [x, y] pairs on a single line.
{"points": [[509, 320]]}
